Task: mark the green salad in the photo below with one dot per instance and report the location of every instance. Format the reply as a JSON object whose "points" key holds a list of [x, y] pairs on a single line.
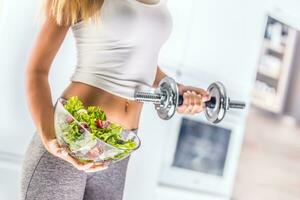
{"points": [[93, 119]]}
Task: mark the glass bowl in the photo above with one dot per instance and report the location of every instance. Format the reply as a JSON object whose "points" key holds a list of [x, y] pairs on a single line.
{"points": [[87, 148]]}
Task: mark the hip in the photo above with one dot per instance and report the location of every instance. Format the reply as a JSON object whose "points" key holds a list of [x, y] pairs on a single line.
{"points": [[42, 173]]}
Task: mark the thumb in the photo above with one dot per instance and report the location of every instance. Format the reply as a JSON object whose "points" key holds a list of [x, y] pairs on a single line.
{"points": [[206, 97], [58, 149], [62, 152]]}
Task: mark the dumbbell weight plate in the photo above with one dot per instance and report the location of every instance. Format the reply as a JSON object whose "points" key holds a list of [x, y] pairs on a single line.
{"points": [[168, 106], [216, 113]]}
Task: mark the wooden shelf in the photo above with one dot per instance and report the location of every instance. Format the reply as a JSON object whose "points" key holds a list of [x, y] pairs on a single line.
{"points": [[274, 101], [268, 45]]}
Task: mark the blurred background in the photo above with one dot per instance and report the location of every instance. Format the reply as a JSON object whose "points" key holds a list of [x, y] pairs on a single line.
{"points": [[250, 46]]}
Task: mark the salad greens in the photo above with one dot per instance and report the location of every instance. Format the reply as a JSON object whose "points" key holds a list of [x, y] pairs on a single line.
{"points": [[93, 119]]}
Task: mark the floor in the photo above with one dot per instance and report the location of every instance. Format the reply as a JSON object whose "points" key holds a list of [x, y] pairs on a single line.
{"points": [[269, 166]]}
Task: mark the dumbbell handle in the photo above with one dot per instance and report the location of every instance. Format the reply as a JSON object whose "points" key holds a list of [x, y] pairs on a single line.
{"points": [[212, 103], [156, 98], [236, 104]]}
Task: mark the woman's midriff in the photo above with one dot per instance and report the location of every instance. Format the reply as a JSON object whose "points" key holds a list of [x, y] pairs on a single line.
{"points": [[123, 111]]}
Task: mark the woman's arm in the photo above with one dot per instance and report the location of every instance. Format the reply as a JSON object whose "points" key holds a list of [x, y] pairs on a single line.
{"points": [[159, 75], [38, 93], [194, 98]]}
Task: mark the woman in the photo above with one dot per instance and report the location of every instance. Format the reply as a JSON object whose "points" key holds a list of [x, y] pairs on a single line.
{"points": [[118, 42]]}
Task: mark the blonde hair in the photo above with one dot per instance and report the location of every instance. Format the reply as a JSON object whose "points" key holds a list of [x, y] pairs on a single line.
{"points": [[69, 12]]}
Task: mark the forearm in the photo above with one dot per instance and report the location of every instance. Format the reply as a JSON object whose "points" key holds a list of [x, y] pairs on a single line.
{"points": [[39, 101], [160, 75]]}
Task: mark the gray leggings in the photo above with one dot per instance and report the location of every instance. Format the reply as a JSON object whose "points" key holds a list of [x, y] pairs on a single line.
{"points": [[45, 176]]}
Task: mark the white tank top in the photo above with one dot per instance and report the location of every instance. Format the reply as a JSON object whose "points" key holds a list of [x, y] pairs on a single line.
{"points": [[120, 52]]}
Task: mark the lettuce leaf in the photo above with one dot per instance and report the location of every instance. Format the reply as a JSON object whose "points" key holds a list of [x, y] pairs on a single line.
{"points": [[110, 134]]}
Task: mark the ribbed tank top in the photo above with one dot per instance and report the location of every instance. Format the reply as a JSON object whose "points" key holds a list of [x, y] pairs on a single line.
{"points": [[120, 52]]}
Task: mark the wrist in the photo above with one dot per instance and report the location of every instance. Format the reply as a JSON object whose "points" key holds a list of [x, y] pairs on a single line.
{"points": [[179, 84], [157, 81], [46, 144], [47, 141]]}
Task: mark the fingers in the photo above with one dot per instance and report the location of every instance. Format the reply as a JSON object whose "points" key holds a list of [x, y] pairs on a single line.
{"points": [[76, 163], [186, 107], [192, 103], [55, 149], [198, 103], [63, 154], [197, 90], [97, 167]]}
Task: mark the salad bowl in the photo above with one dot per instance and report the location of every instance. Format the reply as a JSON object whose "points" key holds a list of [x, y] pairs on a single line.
{"points": [[86, 134]]}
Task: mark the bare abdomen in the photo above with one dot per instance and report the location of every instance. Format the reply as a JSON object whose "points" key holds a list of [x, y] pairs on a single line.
{"points": [[119, 110]]}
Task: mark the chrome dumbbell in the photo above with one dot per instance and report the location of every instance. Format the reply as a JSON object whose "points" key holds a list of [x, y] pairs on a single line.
{"points": [[166, 99]]}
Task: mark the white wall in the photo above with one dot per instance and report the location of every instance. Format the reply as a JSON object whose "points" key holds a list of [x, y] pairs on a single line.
{"points": [[222, 39], [18, 29], [19, 22]]}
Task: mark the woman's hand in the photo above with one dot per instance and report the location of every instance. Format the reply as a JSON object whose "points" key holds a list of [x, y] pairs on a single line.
{"points": [[54, 148], [193, 99]]}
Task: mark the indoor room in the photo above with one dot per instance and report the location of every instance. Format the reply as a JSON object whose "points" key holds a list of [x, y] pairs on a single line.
{"points": [[244, 144]]}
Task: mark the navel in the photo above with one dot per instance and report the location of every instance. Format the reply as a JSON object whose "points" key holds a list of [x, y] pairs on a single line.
{"points": [[126, 105]]}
